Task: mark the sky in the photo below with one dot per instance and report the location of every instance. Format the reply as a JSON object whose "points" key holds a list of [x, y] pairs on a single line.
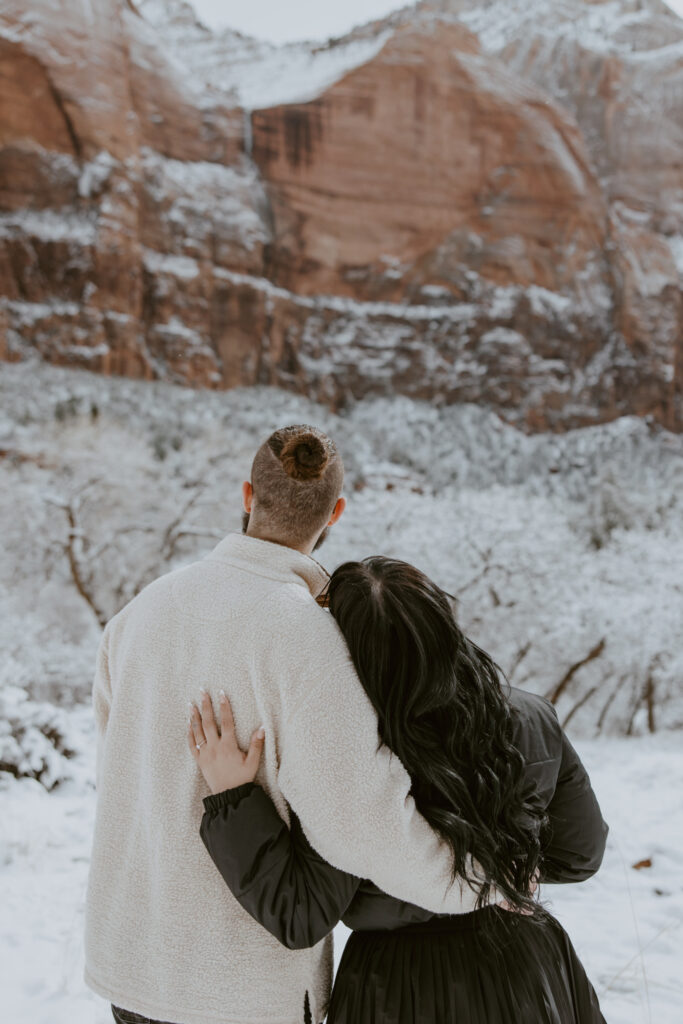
{"points": [[303, 19]]}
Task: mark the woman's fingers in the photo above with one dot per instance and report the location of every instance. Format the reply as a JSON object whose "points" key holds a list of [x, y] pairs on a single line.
{"points": [[196, 725], [208, 720], [191, 742], [227, 720], [251, 761]]}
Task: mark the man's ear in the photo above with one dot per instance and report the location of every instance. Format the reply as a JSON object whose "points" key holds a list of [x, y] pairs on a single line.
{"points": [[247, 496], [337, 512]]}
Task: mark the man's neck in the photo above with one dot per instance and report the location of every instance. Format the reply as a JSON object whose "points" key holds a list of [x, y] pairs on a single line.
{"points": [[305, 549]]}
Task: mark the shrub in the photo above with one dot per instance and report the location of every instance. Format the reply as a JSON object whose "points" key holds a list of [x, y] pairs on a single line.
{"points": [[33, 739]]}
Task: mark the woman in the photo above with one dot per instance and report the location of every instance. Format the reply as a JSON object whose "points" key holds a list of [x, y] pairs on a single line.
{"points": [[493, 774]]}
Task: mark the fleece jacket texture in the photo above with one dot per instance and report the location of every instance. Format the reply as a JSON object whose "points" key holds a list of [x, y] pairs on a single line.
{"points": [[164, 936]]}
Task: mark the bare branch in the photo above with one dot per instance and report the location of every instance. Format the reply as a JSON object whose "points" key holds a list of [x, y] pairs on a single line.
{"points": [[132, 528], [519, 657], [74, 546], [480, 576], [17, 457], [608, 703], [649, 696], [556, 692], [76, 569], [579, 704], [77, 500], [171, 534]]}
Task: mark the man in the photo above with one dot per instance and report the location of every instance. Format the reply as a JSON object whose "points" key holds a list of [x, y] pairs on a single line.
{"points": [[164, 936]]}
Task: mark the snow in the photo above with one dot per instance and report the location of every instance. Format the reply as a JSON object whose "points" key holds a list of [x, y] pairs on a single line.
{"points": [[676, 244], [504, 299], [544, 302], [95, 174], [649, 274], [550, 543], [29, 312], [430, 291], [256, 74], [205, 198], [295, 74], [579, 528], [456, 311], [504, 336], [163, 263], [175, 327], [626, 924], [307, 19], [49, 225], [612, 27]]}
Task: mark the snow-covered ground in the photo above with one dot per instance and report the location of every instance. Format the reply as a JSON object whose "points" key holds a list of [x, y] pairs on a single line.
{"points": [[564, 553], [626, 924]]}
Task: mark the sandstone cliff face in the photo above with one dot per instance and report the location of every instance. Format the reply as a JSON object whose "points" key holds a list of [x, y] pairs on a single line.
{"points": [[448, 204], [108, 167], [617, 67], [408, 158]]}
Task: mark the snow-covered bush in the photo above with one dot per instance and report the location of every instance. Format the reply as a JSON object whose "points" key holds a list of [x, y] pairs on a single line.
{"points": [[33, 740], [613, 506]]}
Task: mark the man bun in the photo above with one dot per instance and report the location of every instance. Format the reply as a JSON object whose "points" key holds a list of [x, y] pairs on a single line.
{"points": [[304, 456]]}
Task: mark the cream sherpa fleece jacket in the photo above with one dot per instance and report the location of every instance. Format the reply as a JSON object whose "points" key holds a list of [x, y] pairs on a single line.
{"points": [[163, 934]]}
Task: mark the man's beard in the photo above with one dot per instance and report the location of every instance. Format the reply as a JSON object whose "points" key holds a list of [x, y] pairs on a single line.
{"points": [[321, 539]]}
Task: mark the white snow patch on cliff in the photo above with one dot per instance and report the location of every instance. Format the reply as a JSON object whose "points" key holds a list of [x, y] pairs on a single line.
{"points": [[49, 225], [162, 263], [457, 311], [297, 74], [30, 312], [253, 73], [676, 245]]}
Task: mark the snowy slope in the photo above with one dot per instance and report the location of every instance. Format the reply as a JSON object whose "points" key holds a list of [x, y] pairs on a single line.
{"points": [[262, 74], [254, 73], [626, 924], [627, 27], [550, 543]]}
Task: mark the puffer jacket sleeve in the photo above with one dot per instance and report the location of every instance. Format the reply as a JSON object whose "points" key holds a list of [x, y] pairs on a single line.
{"points": [[577, 833], [272, 871]]}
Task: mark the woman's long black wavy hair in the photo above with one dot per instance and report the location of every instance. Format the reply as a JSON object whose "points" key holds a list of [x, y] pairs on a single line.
{"points": [[443, 712]]}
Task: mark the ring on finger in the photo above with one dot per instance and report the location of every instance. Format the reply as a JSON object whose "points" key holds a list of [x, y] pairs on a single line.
{"points": [[196, 726]]}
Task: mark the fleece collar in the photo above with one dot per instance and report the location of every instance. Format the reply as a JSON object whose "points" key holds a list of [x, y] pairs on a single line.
{"points": [[275, 561]]}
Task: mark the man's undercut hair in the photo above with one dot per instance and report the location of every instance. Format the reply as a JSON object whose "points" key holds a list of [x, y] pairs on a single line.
{"points": [[297, 477]]}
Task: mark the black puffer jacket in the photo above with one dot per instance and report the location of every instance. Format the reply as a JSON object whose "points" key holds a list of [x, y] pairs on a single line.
{"points": [[287, 887]]}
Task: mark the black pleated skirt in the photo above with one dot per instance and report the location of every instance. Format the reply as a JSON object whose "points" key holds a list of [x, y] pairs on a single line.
{"points": [[478, 968]]}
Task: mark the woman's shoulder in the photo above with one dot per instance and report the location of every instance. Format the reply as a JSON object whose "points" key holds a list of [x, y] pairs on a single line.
{"points": [[536, 728]]}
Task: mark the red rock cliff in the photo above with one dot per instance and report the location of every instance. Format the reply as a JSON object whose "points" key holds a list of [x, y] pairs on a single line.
{"points": [[450, 212]]}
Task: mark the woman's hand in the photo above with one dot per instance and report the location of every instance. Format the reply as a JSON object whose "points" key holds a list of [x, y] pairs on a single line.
{"points": [[222, 763]]}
